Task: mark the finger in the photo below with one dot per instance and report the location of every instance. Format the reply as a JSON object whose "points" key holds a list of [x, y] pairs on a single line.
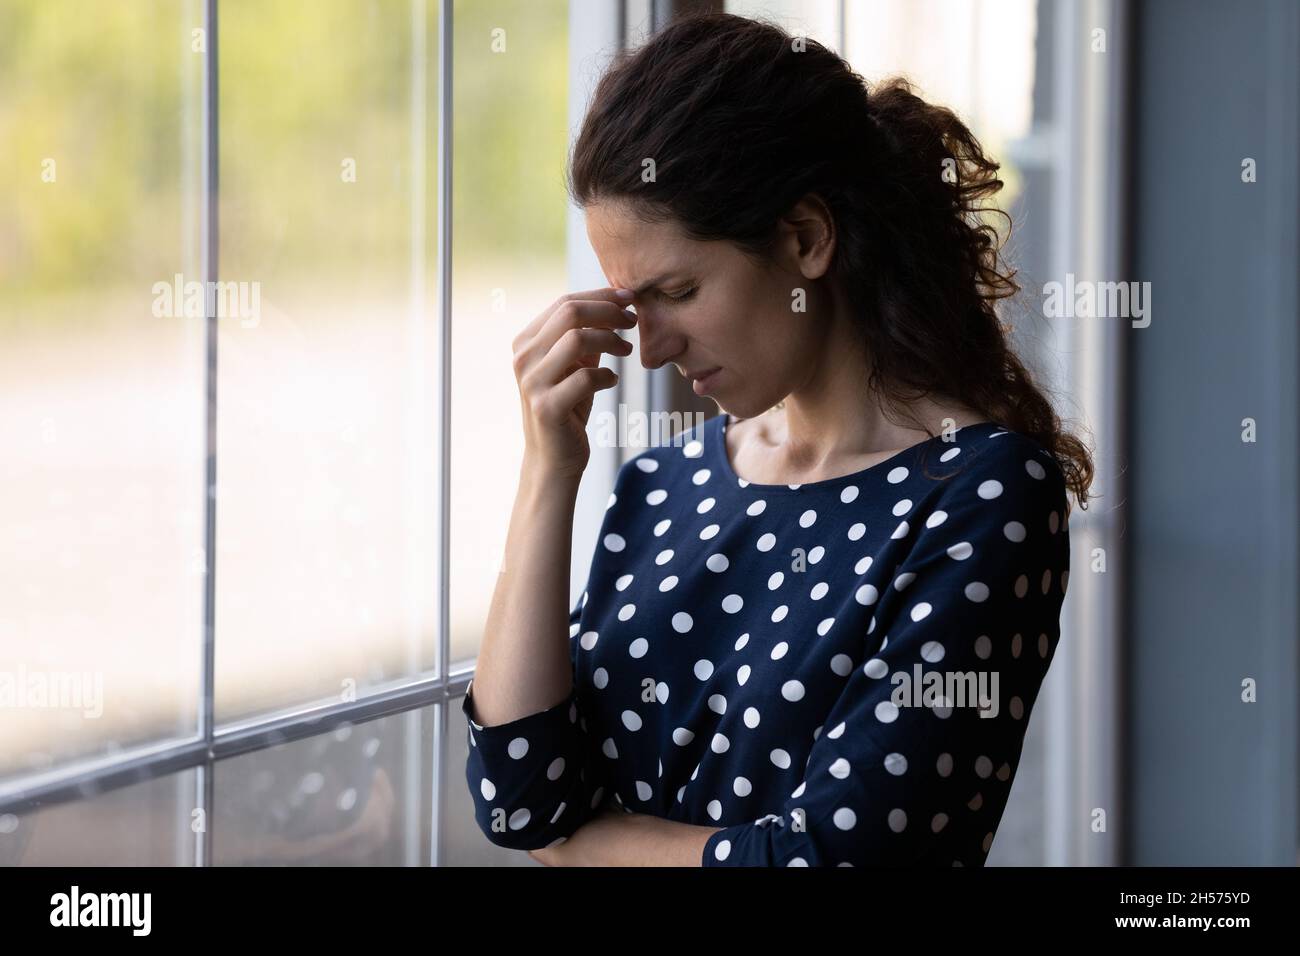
{"points": [[580, 387], [582, 314], [575, 314], [577, 348], [607, 294]]}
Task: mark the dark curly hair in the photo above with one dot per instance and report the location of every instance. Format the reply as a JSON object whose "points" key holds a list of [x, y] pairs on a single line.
{"points": [[744, 119]]}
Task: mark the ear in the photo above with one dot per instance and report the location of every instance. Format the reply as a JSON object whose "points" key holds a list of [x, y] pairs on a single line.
{"points": [[808, 236]]}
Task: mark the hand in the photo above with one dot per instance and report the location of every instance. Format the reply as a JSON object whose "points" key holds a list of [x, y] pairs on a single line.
{"points": [[578, 849], [557, 366], [547, 855]]}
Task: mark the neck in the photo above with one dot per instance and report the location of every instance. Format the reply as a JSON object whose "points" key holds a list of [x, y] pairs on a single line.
{"points": [[833, 416]]}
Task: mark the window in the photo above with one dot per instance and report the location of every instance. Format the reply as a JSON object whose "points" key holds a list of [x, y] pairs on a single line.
{"points": [[251, 537], [254, 468], [101, 401]]}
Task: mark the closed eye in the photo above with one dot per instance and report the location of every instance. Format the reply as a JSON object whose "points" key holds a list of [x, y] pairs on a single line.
{"points": [[681, 297]]}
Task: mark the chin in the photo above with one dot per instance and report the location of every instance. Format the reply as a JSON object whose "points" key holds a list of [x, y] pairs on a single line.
{"points": [[743, 408]]}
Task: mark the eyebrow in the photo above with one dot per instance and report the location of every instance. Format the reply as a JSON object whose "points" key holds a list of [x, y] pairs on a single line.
{"points": [[657, 280]]}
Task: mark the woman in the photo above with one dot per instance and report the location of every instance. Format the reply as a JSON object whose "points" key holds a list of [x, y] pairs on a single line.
{"points": [[745, 680]]}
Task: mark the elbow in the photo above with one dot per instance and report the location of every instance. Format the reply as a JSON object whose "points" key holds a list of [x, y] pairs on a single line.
{"points": [[532, 815], [526, 829]]}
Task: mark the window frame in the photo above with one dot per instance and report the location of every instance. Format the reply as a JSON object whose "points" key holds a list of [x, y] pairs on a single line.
{"points": [[594, 26], [1089, 108]]}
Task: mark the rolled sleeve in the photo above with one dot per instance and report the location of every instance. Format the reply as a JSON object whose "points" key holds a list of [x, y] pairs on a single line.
{"points": [[532, 780]]}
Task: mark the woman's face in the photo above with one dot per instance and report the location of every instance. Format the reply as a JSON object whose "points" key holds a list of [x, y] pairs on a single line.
{"points": [[705, 305]]}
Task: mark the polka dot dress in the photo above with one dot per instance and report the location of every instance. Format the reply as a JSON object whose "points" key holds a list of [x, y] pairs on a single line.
{"points": [[838, 673]]}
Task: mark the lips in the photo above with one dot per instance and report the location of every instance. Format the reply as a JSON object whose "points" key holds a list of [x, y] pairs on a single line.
{"points": [[702, 372], [703, 383]]}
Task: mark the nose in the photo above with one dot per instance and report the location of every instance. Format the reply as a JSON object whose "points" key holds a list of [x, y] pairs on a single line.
{"points": [[656, 339]]}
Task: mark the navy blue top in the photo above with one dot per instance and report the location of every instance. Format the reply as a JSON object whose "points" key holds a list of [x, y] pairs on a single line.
{"points": [[802, 666]]}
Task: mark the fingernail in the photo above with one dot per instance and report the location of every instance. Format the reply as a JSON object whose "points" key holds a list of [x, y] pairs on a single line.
{"points": [[624, 293]]}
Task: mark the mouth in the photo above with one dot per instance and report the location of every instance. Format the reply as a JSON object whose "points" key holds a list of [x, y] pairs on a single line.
{"points": [[702, 382]]}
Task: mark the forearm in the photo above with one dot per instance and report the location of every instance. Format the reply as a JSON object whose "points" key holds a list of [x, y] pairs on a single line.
{"points": [[616, 838], [524, 665]]}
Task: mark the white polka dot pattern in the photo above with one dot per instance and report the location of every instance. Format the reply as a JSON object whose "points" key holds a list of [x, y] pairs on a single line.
{"points": [[751, 692]]}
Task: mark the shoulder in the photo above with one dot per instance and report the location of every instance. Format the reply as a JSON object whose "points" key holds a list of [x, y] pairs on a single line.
{"points": [[1001, 457], [999, 475], [997, 522]]}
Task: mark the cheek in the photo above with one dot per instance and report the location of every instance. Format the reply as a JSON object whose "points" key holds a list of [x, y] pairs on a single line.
{"points": [[739, 306], [754, 345], [772, 329], [747, 322]]}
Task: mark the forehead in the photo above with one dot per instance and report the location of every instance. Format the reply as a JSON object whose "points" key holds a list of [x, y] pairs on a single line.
{"points": [[632, 251]]}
